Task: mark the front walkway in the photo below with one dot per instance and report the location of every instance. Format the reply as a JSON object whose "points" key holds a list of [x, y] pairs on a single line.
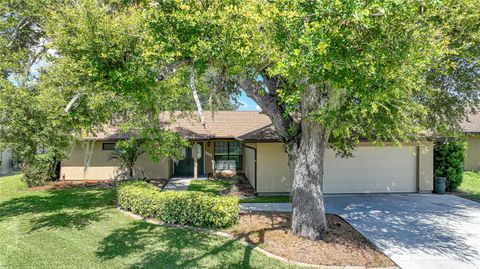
{"points": [[414, 230], [180, 183]]}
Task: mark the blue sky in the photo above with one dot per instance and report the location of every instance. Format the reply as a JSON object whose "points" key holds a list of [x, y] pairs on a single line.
{"points": [[246, 103]]}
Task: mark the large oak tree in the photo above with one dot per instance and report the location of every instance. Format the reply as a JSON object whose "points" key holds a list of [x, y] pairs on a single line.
{"points": [[327, 73]]}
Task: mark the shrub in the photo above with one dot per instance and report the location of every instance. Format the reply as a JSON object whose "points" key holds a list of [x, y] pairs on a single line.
{"points": [[448, 161], [40, 170], [178, 207]]}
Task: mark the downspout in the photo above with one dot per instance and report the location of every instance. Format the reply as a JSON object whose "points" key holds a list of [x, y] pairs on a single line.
{"points": [[255, 151]]}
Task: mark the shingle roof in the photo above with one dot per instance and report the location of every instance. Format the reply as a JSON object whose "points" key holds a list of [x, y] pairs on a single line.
{"points": [[241, 125], [472, 125]]}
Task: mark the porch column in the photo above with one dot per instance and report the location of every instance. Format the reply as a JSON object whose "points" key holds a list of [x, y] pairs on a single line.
{"points": [[195, 160]]}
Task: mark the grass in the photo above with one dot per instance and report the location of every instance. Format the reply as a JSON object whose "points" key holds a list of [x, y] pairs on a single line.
{"points": [[213, 186], [267, 199], [471, 185], [79, 228]]}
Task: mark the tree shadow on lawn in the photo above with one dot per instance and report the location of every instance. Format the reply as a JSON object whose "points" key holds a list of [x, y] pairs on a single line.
{"points": [[74, 208], [170, 247]]}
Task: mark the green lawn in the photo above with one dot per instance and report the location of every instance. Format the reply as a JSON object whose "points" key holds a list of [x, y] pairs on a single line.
{"points": [[213, 186], [471, 185], [79, 228], [267, 199]]}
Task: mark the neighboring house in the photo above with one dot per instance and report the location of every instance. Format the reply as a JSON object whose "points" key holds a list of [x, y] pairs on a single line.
{"points": [[471, 128], [5, 161], [248, 143]]}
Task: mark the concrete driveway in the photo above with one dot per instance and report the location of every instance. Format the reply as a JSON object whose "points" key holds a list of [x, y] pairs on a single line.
{"points": [[416, 230]]}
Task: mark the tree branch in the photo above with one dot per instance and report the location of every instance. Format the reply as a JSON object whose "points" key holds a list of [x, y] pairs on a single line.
{"points": [[268, 102], [171, 69], [33, 59], [72, 101], [195, 94], [22, 23]]}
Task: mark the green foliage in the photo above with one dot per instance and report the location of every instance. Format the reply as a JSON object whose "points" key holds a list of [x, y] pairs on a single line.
{"points": [[182, 207], [448, 161], [41, 170]]}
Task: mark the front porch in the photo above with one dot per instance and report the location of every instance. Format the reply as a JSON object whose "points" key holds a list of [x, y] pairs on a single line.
{"points": [[210, 158]]}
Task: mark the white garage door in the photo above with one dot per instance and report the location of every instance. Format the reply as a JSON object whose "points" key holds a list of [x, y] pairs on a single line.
{"points": [[372, 170]]}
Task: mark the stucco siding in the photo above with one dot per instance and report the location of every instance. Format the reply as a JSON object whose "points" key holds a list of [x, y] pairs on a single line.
{"points": [[209, 155], [101, 167], [272, 169], [249, 162], [472, 158], [425, 167]]}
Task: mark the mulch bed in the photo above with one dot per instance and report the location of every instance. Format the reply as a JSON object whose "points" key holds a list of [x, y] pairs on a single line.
{"points": [[343, 244], [68, 184], [160, 182]]}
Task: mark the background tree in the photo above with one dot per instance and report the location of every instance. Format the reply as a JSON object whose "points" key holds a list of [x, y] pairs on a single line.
{"points": [[126, 153], [327, 73]]}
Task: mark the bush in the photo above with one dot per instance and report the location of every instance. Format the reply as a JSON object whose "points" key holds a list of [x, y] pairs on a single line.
{"points": [[40, 170], [178, 207], [448, 162]]}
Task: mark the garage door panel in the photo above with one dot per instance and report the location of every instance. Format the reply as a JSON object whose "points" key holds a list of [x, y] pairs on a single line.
{"points": [[372, 170]]}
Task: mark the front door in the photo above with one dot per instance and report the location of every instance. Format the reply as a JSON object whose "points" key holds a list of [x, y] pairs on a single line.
{"points": [[185, 167]]}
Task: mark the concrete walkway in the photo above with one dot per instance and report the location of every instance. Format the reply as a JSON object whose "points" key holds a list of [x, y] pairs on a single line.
{"points": [[266, 207], [414, 230], [180, 183]]}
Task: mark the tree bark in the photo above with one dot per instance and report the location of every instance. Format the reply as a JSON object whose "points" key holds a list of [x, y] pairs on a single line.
{"points": [[306, 163], [305, 147]]}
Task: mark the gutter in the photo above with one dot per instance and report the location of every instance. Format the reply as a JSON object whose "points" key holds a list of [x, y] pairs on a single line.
{"points": [[255, 150]]}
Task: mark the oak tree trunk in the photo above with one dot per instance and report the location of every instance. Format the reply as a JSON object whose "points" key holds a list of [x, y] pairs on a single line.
{"points": [[306, 162]]}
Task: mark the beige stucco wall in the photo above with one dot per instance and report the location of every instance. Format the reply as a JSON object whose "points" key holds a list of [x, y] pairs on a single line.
{"points": [[101, 167], [209, 151], [272, 169], [472, 158], [425, 167], [274, 173], [249, 162]]}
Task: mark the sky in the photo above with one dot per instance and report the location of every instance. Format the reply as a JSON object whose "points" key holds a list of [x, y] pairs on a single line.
{"points": [[246, 103]]}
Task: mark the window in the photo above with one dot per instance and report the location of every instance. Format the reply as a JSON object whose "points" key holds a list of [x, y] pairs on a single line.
{"points": [[228, 155], [108, 146]]}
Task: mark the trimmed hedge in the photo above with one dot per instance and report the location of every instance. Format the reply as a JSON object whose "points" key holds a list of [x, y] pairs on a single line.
{"points": [[178, 207]]}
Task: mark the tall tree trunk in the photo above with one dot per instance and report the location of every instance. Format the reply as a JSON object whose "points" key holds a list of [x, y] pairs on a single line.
{"points": [[306, 163]]}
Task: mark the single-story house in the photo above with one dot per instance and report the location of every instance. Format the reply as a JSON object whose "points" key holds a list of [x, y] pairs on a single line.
{"points": [[5, 161], [471, 129], [248, 143]]}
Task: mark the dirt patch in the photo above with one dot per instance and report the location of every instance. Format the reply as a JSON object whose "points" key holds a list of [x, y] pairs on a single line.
{"points": [[158, 182], [343, 244], [67, 184]]}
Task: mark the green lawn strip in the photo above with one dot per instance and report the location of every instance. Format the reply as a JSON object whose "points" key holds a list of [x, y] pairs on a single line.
{"points": [[213, 186], [79, 228], [471, 185], [267, 199]]}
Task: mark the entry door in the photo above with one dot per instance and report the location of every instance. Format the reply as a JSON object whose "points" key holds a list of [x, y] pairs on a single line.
{"points": [[185, 167]]}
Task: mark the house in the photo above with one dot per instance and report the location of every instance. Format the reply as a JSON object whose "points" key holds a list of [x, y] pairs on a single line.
{"points": [[471, 129], [5, 161], [248, 143]]}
